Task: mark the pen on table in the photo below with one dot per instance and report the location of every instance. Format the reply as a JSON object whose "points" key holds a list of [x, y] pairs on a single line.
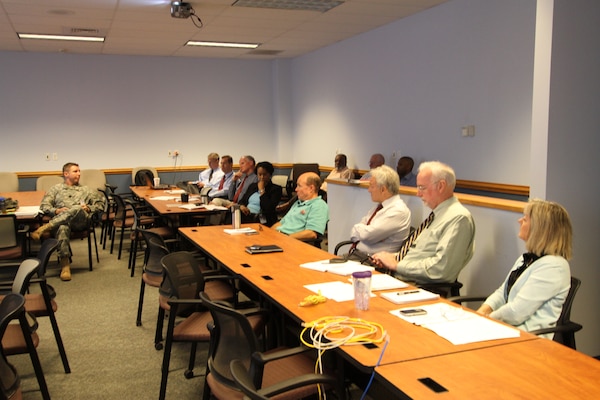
{"points": [[407, 292]]}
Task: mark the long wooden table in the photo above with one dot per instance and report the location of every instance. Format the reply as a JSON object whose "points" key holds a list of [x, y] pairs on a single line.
{"points": [[536, 369], [170, 208], [279, 278]]}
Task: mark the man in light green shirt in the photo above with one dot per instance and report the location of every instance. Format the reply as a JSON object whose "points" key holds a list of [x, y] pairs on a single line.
{"points": [[309, 215], [445, 247]]}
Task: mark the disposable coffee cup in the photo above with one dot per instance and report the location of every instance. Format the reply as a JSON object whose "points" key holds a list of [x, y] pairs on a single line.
{"points": [[185, 197], [156, 181], [361, 281]]}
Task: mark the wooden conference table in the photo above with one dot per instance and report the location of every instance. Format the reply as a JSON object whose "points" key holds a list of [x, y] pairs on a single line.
{"points": [[522, 367], [26, 199], [171, 208], [536, 369], [279, 278]]}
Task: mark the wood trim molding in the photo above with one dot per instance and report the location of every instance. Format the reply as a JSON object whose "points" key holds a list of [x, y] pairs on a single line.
{"points": [[462, 184]]}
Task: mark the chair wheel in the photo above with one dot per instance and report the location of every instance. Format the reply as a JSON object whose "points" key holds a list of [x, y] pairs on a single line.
{"points": [[158, 346], [188, 374]]}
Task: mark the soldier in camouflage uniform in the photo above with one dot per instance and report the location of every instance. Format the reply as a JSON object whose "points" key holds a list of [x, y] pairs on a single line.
{"points": [[70, 207]]}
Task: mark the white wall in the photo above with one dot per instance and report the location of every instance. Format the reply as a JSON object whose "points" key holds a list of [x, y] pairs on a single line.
{"points": [[123, 111], [411, 85], [573, 144]]}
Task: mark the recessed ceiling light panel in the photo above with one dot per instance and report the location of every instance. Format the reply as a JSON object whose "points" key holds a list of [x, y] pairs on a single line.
{"points": [[304, 5]]}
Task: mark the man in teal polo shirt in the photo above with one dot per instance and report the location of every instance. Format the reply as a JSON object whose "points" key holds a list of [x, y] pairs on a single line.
{"points": [[309, 215]]}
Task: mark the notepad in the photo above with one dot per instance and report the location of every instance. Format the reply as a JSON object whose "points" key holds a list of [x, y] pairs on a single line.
{"points": [[258, 249], [409, 296], [344, 269]]}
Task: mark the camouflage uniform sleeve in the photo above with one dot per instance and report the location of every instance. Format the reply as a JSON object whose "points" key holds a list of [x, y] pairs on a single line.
{"points": [[95, 201], [48, 205]]}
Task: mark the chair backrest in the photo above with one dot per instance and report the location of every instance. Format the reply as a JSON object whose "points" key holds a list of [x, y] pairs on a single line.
{"points": [[232, 338], [48, 247], [121, 208], [93, 178], [565, 315], [183, 275], [26, 270], [11, 307], [244, 381], [297, 170], [45, 182], [8, 231], [141, 178], [156, 249], [9, 182]]}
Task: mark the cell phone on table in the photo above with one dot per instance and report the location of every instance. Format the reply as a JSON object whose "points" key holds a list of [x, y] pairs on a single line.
{"points": [[411, 312]]}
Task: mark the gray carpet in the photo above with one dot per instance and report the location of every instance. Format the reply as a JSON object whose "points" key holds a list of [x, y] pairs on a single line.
{"points": [[110, 356]]}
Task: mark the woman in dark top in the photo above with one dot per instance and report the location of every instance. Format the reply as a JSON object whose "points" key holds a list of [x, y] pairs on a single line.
{"points": [[262, 197]]}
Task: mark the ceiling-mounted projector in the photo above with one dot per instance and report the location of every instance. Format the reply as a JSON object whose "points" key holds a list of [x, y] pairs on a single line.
{"points": [[180, 9]]}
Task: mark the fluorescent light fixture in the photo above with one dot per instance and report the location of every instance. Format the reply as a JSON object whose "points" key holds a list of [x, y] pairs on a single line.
{"points": [[223, 44], [61, 37]]}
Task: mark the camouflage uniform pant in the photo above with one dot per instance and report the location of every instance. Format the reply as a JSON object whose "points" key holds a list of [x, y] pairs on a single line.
{"points": [[76, 219]]}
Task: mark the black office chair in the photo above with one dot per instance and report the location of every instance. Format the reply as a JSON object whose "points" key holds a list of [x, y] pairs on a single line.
{"points": [[233, 335], [444, 289], [183, 282], [564, 331], [283, 390]]}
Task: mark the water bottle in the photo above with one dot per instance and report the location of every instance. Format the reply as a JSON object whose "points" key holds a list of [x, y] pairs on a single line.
{"points": [[236, 216], [362, 289], [2, 205]]}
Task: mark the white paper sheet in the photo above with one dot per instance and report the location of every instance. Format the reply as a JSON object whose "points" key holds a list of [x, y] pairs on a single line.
{"points": [[459, 326], [344, 269]]}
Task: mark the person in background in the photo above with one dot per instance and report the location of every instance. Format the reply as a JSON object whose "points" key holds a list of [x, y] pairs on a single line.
{"points": [[444, 243], [309, 215], [375, 161], [70, 206], [261, 204], [241, 180], [404, 169], [387, 224], [532, 295], [340, 170], [211, 177], [222, 189]]}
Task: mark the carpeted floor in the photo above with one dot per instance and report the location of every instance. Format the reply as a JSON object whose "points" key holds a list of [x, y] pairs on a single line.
{"points": [[110, 357]]}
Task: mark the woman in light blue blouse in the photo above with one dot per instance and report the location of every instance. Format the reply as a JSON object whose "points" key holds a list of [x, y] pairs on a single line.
{"points": [[534, 291]]}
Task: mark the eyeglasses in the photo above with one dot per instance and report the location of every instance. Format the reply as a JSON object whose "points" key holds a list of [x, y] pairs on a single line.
{"points": [[422, 188]]}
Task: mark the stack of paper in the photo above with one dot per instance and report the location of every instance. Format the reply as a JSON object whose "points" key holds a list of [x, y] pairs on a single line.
{"points": [[459, 326], [27, 211], [344, 269], [240, 231]]}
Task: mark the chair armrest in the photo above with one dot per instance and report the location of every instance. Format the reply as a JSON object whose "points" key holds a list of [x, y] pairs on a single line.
{"points": [[570, 327], [174, 301], [465, 299], [341, 244], [298, 382], [262, 358]]}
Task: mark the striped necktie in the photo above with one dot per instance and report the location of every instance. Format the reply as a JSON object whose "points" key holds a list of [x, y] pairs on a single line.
{"points": [[413, 236]]}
